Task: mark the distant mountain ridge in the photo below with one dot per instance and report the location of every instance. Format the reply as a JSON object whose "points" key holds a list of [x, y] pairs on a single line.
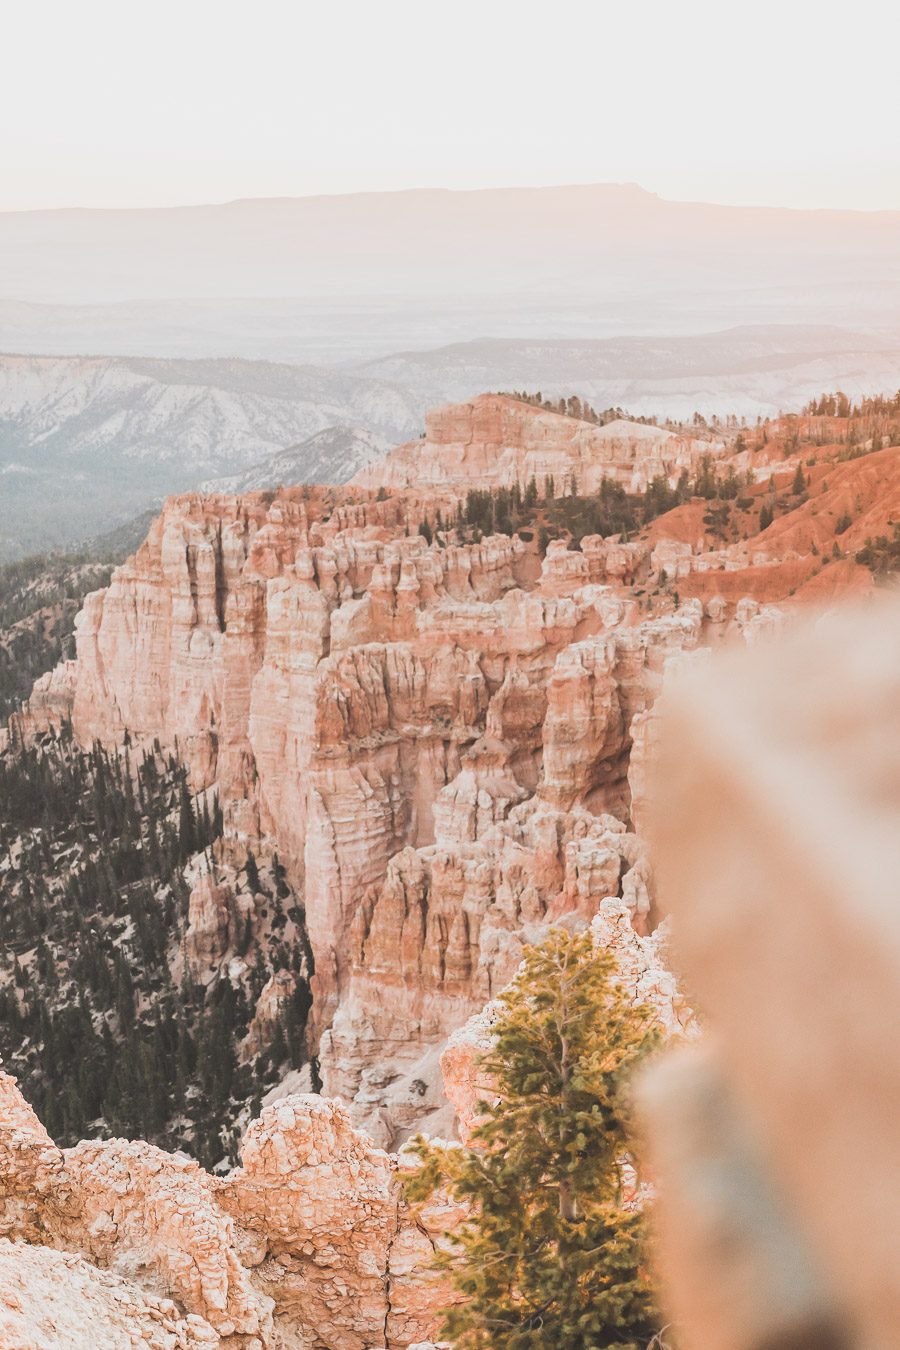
{"points": [[87, 443], [748, 370], [333, 455]]}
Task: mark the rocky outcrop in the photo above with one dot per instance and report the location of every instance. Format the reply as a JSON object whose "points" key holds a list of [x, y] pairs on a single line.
{"points": [[596, 690], [49, 703], [777, 849], [275, 997], [497, 441], [307, 1244], [139, 1208], [326, 1231], [446, 932], [50, 1299], [216, 919], [30, 1165], [128, 1207]]}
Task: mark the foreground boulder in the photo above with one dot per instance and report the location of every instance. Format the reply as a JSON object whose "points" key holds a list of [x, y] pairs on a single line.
{"points": [[308, 1244], [778, 849]]}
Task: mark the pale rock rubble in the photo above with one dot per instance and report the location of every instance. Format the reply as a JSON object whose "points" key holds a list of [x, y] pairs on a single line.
{"points": [[50, 1299]]}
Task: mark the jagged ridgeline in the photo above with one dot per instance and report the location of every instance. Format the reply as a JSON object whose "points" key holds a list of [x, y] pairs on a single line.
{"points": [[102, 1018]]}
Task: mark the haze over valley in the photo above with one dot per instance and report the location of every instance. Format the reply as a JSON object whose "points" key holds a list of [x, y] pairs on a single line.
{"points": [[210, 338]]}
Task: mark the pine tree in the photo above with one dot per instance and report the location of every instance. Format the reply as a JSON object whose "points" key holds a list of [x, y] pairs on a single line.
{"points": [[251, 871], [187, 825], [548, 1258], [799, 483]]}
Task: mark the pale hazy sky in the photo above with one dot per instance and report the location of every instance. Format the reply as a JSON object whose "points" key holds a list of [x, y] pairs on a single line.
{"points": [[128, 102]]}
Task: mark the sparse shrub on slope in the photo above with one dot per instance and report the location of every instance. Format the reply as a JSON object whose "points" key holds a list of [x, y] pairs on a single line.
{"points": [[573, 406], [558, 510], [550, 1258], [882, 555]]}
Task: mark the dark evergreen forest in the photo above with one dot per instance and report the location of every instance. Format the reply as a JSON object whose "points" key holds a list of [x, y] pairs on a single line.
{"points": [[559, 510], [39, 599], [93, 907]]}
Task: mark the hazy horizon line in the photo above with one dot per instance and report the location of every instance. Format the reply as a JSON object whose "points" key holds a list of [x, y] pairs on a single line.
{"points": [[506, 189]]}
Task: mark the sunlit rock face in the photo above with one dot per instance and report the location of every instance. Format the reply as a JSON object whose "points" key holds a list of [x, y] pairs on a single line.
{"points": [[496, 441], [307, 1244], [444, 743], [429, 737], [352, 693]]}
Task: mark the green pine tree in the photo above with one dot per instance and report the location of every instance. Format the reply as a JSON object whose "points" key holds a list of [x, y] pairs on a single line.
{"points": [[549, 1259]]}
